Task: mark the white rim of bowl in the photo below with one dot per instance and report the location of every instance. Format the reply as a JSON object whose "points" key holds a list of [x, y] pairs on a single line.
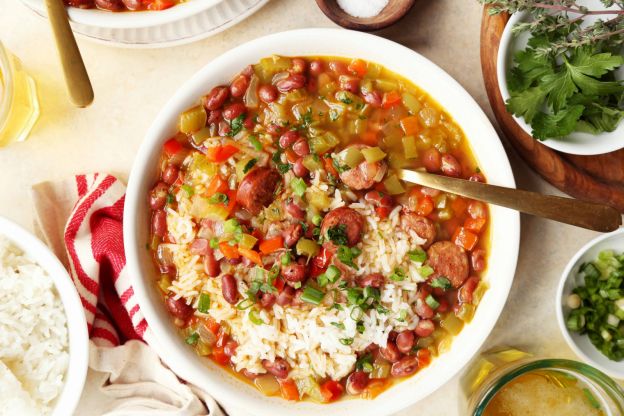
{"points": [[567, 272], [130, 19], [78, 337], [152, 139], [558, 145]]}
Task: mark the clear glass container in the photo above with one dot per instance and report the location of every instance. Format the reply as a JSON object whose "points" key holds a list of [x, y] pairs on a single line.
{"points": [[495, 370], [19, 106]]}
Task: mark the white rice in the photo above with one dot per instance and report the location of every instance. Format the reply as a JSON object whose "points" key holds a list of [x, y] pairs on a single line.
{"points": [[305, 335], [33, 336]]}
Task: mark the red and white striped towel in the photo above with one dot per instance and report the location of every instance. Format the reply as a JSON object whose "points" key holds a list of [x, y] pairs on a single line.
{"points": [[81, 220], [94, 254]]}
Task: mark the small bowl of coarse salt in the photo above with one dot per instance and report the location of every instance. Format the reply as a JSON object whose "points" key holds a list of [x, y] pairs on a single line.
{"points": [[365, 15], [43, 331]]}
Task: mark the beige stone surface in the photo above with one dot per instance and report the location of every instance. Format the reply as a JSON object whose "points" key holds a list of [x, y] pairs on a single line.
{"points": [[132, 85]]}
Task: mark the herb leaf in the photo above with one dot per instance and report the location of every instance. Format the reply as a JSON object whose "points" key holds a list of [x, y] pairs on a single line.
{"points": [[338, 234]]}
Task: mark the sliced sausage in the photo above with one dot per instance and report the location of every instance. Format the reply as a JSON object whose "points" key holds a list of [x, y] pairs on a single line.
{"points": [[373, 280], [422, 226], [364, 175], [257, 188], [448, 260], [346, 218]]}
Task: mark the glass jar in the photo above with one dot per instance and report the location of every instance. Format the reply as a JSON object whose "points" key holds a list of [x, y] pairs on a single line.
{"points": [[19, 106], [495, 370]]}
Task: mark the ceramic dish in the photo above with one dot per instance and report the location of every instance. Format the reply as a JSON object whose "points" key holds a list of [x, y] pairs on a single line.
{"points": [[76, 323], [179, 29], [577, 143], [327, 42], [581, 344]]}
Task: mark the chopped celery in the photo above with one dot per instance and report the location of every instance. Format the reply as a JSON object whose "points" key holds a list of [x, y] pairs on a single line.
{"points": [[466, 312], [393, 185], [381, 368], [306, 247], [267, 67], [240, 167], [247, 241], [445, 214], [386, 85], [164, 283], [310, 387], [452, 323], [202, 208], [410, 151], [201, 135], [193, 119], [318, 199], [351, 157], [373, 154], [312, 163], [199, 163], [411, 102]]}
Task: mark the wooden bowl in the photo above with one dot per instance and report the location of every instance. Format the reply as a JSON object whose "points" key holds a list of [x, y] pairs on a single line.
{"points": [[394, 11]]}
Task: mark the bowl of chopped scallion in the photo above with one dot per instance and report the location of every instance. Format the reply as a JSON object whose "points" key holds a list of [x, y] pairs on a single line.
{"points": [[560, 72], [590, 303]]}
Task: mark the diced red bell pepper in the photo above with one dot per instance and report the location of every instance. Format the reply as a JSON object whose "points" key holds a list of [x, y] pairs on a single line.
{"points": [[217, 184], [279, 284], [172, 147], [228, 251], [390, 99], [289, 389], [219, 355], [221, 153], [424, 357], [383, 212], [474, 224], [425, 205], [252, 255], [464, 238], [272, 245], [331, 390], [358, 66]]}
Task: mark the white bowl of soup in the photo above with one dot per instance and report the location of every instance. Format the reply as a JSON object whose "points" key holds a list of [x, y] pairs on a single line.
{"points": [[257, 207]]}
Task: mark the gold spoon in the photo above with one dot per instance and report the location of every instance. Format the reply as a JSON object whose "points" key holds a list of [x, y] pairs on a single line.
{"points": [[76, 77], [597, 217]]}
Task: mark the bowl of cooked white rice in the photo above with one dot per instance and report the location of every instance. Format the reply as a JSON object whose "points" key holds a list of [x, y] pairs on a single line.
{"points": [[43, 332], [502, 244]]}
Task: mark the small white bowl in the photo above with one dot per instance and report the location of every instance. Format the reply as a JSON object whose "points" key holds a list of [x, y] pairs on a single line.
{"points": [[129, 20], [489, 153], [76, 324], [581, 344], [576, 143]]}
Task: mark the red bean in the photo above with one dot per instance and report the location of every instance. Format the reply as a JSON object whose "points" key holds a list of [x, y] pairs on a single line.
{"points": [[293, 82], [158, 196], [316, 67], [267, 300], [432, 160], [294, 272], [288, 139], [229, 348], [211, 266], [450, 166], [286, 296], [295, 210], [248, 71], [373, 98], [424, 328], [267, 93], [159, 223], [170, 174], [214, 116], [477, 209], [391, 352], [279, 368], [379, 199], [349, 83], [249, 122], [477, 259], [301, 147], [444, 305], [338, 67], [405, 341], [423, 310], [373, 280], [298, 66], [292, 234], [238, 87], [356, 382], [215, 98], [299, 169], [229, 289], [233, 110], [406, 367], [178, 308]]}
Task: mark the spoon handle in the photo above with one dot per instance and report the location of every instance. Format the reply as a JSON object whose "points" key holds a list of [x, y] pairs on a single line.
{"points": [[588, 215], [76, 77]]}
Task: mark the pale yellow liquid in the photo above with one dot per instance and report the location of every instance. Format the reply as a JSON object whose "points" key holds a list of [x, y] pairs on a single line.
{"points": [[19, 89], [542, 393]]}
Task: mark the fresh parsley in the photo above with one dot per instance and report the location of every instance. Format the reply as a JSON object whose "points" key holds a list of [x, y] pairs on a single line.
{"points": [[249, 165], [346, 255], [236, 125], [338, 234], [219, 198]]}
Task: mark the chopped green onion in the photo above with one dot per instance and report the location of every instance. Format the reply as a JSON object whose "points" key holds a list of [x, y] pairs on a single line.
{"points": [[360, 327], [231, 226], [441, 282], [332, 273], [214, 243], [297, 285], [188, 189], [255, 142], [285, 260], [417, 256], [356, 313], [298, 186], [591, 399], [204, 303], [346, 341], [316, 219], [245, 304], [170, 199], [432, 302], [425, 271], [312, 295], [322, 280], [338, 325], [402, 315], [249, 165], [254, 318], [398, 275], [192, 339], [219, 198]]}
